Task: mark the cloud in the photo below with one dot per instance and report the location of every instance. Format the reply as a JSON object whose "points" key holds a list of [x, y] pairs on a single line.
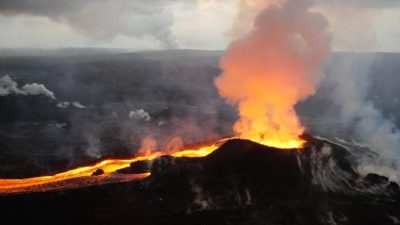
{"points": [[361, 3], [102, 19], [159, 24], [8, 86], [192, 28]]}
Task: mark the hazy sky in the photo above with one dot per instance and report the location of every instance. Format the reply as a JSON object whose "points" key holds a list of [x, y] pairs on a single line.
{"points": [[356, 25]]}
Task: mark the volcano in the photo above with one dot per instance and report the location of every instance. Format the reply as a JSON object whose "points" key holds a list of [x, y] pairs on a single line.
{"points": [[241, 182]]}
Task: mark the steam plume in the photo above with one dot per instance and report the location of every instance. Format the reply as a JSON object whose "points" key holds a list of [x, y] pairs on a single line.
{"points": [[67, 104], [269, 70], [9, 86], [139, 114], [351, 82]]}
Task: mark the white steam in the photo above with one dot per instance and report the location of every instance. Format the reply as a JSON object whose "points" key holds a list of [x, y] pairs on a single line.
{"points": [[139, 114], [10, 87], [351, 86], [94, 146], [67, 104], [351, 82]]}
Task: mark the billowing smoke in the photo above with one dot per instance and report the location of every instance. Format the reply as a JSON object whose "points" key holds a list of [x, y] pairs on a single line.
{"points": [[351, 83], [247, 11], [8, 87], [269, 70]]}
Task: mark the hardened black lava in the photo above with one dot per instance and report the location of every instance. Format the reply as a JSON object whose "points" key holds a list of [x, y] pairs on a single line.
{"points": [[240, 183]]}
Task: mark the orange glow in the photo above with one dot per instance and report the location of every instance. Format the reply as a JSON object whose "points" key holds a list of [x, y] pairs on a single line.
{"points": [[265, 74], [279, 127], [82, 176], [196, 152], [270, 69]]}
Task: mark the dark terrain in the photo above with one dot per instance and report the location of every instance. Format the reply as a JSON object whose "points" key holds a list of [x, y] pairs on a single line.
{"points": [[175, 87], [240, 183]]}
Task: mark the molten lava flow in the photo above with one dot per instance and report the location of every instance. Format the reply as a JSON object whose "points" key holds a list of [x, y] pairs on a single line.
{"points": [[269, 70], [82, 176]]}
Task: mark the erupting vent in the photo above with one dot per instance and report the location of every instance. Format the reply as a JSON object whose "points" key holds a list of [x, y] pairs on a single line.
{"points": [[269, 70]]}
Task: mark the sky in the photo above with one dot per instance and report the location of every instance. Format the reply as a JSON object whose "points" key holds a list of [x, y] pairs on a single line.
{"points": [[356, 25]]}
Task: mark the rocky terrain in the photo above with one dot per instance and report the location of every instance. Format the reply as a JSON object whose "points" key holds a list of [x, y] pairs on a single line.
{"points": [[242, 182]]}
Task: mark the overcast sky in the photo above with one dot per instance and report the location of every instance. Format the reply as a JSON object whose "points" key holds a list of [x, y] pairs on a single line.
{"points": [[356, 25]]}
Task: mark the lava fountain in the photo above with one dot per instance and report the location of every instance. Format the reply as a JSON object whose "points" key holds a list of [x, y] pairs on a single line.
{"points": [[273, 67], [265, 74]]}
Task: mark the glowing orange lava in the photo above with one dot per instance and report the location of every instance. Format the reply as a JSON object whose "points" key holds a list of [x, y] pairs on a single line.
{"points": [[272, 67], [82, 176]]}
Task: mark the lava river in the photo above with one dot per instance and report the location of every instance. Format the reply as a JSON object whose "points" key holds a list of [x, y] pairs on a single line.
{"points": [[83, 176]]}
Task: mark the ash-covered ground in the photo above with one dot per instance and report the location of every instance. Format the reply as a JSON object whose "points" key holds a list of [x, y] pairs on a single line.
{"points": [[66, 108], [242, 182], [106, 102]]}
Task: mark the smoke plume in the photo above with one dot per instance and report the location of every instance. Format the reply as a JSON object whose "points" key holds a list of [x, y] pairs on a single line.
{"points": [[8, 86], [351, 83], [67, 104], [140, 114], [247, 11], [269, 70]]}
